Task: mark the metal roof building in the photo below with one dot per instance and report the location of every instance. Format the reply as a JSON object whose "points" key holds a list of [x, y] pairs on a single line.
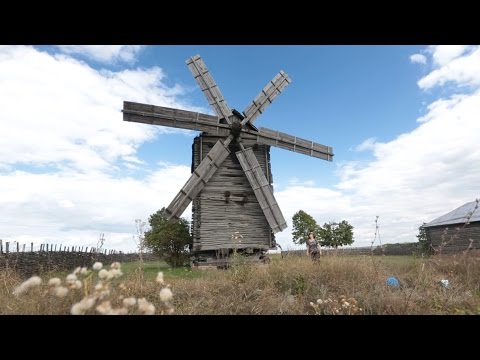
{"points": [[452, 233]]}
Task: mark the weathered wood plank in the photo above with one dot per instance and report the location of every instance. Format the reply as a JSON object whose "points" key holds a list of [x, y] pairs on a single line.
{"points": [[262, 189], [197, 182], [209, 87], [175, 118], [214, 220], [455, 237], [292, 143], [266, 96]]}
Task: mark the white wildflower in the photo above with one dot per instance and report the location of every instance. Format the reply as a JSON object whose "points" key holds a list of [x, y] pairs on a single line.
{"points": [[77, 270], [20, 290], [77, 309], [319, 301], [60, 291], [78, 284], [84, 271], [160, 278], [71, 278], [97, 266], [116, 265], [104, 308], [82, 307], [54, 282], [129, 302], [166, 294], [119, 311], [145, 307], [33, 281], [115, 273], [98, 286], [170, 311], [103, 274], [103, 294]]}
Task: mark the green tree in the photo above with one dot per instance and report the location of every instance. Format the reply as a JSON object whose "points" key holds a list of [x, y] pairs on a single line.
{"points": [[425, 245], [303, 224], [335, 235], [169, 241]]}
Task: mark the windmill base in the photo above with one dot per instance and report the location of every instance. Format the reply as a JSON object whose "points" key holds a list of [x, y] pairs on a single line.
{"points": [[225, 258]]}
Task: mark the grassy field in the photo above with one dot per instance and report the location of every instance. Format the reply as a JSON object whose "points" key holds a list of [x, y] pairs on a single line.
{"points": [[151, 269], [338, 285]]}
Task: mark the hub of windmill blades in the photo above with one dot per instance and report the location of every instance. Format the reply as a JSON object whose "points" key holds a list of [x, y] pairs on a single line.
{"points": [[236, 126], [236, 129]]}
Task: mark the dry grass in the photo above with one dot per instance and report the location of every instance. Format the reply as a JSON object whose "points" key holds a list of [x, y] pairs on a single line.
{"points": [[336, 285]]}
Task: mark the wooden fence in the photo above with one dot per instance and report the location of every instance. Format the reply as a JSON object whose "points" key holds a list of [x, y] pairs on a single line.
{"points": [[52, 257]]}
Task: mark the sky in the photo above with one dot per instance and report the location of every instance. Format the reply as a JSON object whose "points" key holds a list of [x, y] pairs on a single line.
{"points": [[402, 120]]}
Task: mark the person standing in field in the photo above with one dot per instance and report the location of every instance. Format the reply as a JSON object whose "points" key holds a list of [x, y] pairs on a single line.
{"points": [[313, 247]]}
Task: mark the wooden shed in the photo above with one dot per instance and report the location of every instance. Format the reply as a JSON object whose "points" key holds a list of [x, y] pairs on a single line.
{"points": [[457, 230]]}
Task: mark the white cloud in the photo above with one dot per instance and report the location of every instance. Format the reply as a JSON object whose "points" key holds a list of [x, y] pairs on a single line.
{"points": [[73, 208], [62, 118], [59, 111], [462, 71], [104, 53], [443, 54], [418, 59], [368, 144]]}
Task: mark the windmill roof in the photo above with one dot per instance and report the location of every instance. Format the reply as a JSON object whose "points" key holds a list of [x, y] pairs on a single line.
{"points": [[457, 216]]}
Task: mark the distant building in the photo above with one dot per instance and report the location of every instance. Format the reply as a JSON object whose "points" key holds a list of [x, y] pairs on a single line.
{"points": [[448, 233]]}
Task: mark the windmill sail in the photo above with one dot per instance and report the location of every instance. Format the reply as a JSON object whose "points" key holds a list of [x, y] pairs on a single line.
{"points": [[198, 179], [209, 87], [262, 189], [266, 96]]}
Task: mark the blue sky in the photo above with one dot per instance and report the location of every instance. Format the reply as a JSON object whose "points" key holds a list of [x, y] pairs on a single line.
{"points": [[401, 121]]}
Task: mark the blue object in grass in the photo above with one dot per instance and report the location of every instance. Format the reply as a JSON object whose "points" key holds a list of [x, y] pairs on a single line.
{"points": [[393, 282]]}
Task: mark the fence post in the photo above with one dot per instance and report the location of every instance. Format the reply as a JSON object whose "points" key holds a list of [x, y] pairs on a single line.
{"points": [[47, 247], [6, 246], [1, 246], [18, 247], [31, 247]]}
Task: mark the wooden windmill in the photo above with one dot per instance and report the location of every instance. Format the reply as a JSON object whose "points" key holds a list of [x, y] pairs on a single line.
{"points": [[233, 206]]}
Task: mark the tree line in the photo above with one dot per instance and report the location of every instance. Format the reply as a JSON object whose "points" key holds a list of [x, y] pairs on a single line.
{"points": [[173, 241], [331, 234]]}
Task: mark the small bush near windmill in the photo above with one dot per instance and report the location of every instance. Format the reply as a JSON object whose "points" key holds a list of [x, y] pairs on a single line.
{"points": [[169, 241]]}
